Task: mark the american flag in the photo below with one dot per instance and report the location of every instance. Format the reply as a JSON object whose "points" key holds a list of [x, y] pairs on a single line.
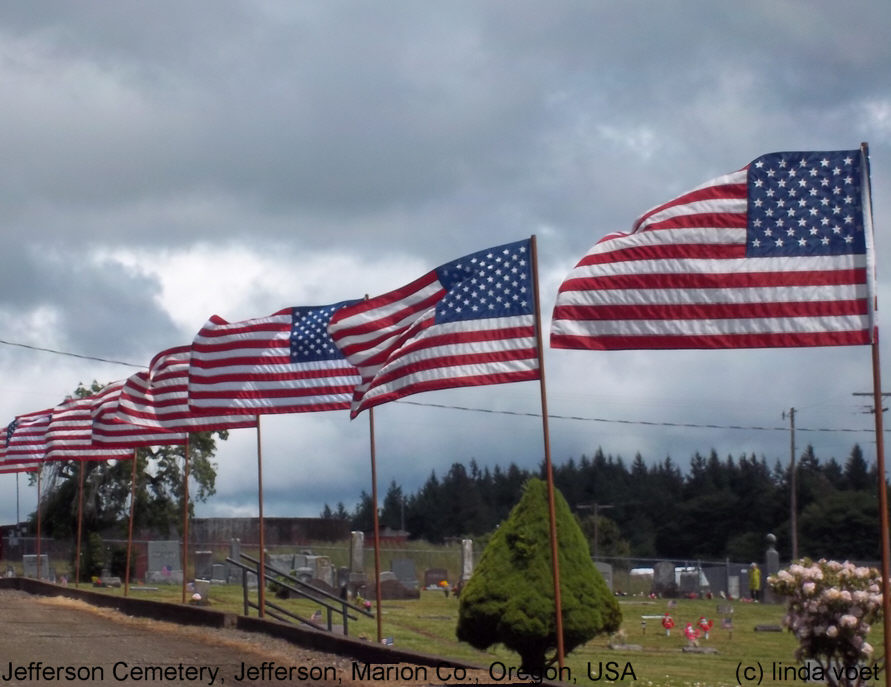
{"points": [[69, 435], [109, 432], [772, 255], [283, 363], [159, 398], [24, 442], [467, 323]]}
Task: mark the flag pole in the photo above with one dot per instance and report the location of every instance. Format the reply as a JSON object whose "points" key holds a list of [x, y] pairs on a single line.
{"points": [[866, 191], [547, 451], [261, 568], [80, 522], [39, 474], [130, 526], [185, 514], [376, 526]]}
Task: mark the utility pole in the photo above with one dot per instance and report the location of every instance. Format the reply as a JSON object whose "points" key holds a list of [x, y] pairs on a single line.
{"points": [[596, 507], [793, 486]]}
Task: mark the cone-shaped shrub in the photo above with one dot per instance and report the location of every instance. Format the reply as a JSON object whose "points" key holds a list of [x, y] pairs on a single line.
{"points": [[510, 597]]}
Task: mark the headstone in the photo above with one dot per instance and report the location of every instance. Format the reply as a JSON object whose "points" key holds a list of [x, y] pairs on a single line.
{"points": [[204, 565], [689, 582], [388, 576], [29, 566], [771, 567], [405, 571], [164, 562], [607, 571], [433, 576], [466, 561], [357, 557], [283, 563], [324, 571], [664, 583], [218, 572], [733, 587]]}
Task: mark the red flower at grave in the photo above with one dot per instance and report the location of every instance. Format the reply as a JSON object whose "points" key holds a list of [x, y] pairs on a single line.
{"points": [[667, 622], [705, 624]]}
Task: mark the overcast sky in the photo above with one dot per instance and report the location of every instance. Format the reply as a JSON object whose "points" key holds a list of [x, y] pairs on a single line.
{"points": [[161, 162]]}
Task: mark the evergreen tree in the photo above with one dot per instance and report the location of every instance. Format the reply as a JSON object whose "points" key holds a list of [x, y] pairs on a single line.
{"points": [[510, 598]]}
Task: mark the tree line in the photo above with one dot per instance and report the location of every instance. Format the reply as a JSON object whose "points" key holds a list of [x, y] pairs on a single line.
{"points": [[714, 509]]}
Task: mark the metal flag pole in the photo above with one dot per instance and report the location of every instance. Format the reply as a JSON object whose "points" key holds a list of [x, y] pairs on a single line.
{"points": [[376, 527], [185, 514], [130, 526], [547, 451], [261, 568], [877, 404], [80, 522], [39, 474]]}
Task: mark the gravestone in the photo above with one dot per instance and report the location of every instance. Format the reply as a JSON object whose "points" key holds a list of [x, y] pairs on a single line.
{"points": [[689, 582], [466, 561], [164, 562], [433, 576], [233, 572], [405, 571], [771, 567], [323, 570], [218, 573], [281, 562], [203, 565], [606, 570], [29, 566], [733, 587], [357, 557], [664, 583]]}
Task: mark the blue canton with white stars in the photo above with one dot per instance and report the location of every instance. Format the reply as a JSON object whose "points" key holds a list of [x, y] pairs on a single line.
{"points": [[803, 204], [309, 333], [10, 430], [491, 283]]}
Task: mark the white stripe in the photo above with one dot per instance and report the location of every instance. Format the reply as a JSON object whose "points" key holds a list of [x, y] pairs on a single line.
{"points": [[670, 237], [817, 263], [710, 327], [666, 296]]}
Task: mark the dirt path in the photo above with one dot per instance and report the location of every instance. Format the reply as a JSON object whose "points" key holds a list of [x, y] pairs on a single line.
{"points": [[46, 641]]}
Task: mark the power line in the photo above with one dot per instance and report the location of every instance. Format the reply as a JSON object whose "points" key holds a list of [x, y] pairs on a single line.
{"points": [[71, 355], [687, 425]]}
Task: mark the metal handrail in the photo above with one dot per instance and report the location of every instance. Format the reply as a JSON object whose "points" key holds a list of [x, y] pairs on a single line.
{"points": [[307, 590]]}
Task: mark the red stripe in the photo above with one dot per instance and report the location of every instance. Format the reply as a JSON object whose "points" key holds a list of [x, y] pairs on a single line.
{"points": [[709, 311], [672, 251], [702, 220], [719, 192], [456, 361], [465, 337], [386, 299], [448, 383], [275, 393], [385, 325], [734, 280], [767, 340]]}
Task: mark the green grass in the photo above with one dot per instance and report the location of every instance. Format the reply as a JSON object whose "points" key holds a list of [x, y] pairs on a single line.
{"points": [[427, 625]]}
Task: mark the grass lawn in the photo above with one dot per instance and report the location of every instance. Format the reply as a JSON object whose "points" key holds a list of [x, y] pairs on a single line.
{"points": [[427, 625]]}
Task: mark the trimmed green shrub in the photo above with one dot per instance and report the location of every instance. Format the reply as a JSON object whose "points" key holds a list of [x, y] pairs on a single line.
{"points": [[510, 597]]}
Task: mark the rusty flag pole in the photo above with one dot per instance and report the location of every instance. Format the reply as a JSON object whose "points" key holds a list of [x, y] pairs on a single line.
{"points": [[547, 451], [185, 513], [39, 474], [130, 526], [261, 568], [80, 522], [877, 405], [376, 525]]}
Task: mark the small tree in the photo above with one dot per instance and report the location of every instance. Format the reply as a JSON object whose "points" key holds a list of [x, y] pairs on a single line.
{"points": [[831, 607], [510, 598]]}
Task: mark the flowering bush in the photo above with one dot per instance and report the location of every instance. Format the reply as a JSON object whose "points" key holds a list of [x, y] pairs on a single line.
{"points": [[831, 606]]}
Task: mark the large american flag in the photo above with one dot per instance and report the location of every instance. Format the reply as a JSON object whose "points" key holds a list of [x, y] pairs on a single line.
{"points": [[25, 441], [69, 435], [110, 432], [772, 255], [283, 363], [467, 323], [159, 398]]}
